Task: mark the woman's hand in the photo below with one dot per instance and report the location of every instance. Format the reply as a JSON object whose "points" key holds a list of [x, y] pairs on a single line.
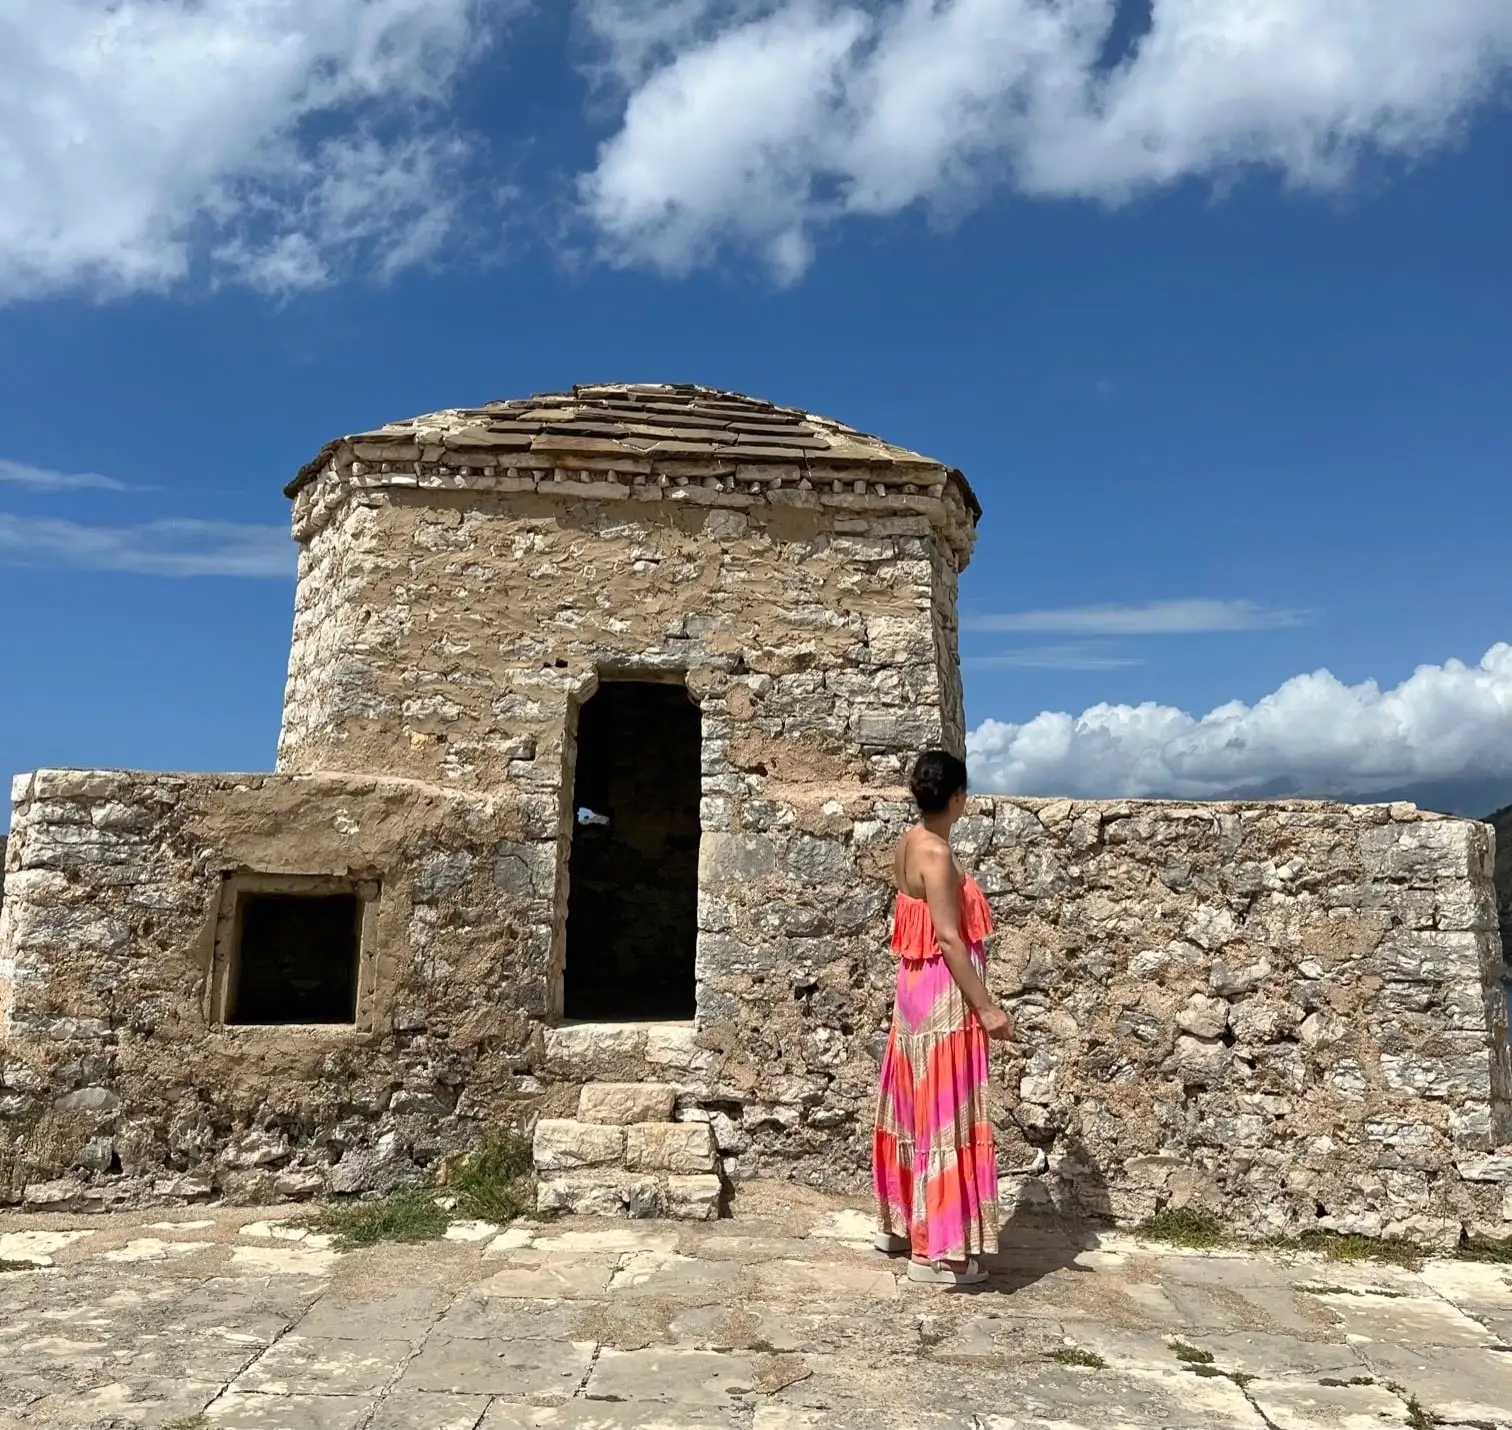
{"points": [[995, 1023]]}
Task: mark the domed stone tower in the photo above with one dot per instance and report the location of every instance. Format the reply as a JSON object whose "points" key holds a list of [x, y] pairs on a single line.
{"points": [[469, 578]]}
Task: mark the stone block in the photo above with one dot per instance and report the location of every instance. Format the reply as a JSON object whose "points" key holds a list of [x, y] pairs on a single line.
{"points": [[684, 1147], [734, 858], [621, 1103], [586, 1047], [1431, 849], [562, 1145], [693, 1198], [1203, 1017], [583, 1195], [1496, 1168]]}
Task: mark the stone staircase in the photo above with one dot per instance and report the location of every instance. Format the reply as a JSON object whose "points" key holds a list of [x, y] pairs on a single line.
{"points": [[623, 1155]]}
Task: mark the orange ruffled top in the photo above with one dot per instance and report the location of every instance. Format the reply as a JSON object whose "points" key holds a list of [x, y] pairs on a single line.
{"points": [[913, 936]]}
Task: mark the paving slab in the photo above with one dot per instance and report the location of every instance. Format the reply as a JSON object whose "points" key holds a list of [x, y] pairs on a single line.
{"points": [[555, 1280], [244, 1411], [1289, 1406], [1451, 1383], [691, 1278], [790, 1417], [828, 1279], [670, 1373], [1132, 1400], [475, 1317], [323, 1365], [1408, 1321], [554, 1368], [1471, 1285], [596, 1415], [428, 1410]]}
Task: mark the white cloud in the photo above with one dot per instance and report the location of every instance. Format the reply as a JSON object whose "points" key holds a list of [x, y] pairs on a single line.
{"points": [[1443, 722], [1156, 618], [176, 547], [44, 479], [279, 142], [759, 122]]}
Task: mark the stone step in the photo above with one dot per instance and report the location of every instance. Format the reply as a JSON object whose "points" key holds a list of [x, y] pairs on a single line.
{"points": [[567, 1145], [621, 1103], [611, 1193]]}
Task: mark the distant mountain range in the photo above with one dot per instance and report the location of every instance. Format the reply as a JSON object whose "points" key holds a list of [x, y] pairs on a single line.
{"points": [[1471, 797]]}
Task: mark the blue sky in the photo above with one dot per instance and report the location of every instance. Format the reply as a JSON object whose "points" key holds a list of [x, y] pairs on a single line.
{"points": [[1213, 313]]}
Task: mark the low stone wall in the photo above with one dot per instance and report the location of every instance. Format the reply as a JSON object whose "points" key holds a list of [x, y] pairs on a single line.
{"points": [[1288, 1013], [117, 1086]]}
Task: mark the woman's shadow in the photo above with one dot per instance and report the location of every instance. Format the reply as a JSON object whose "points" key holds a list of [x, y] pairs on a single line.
{"points": [[1055, 1219]]}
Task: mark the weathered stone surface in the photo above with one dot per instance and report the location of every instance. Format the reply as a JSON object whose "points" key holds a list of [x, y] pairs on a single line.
{"points": [[562, 1145], [693, 1198], [1203, 1017], [622, 1103], [687, 1377], [683, 1147]]}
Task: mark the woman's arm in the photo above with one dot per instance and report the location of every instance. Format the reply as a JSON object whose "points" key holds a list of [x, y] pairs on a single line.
{"points": [[942, 892]]}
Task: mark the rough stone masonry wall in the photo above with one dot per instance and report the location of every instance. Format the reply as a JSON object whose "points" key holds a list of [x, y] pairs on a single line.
{"points": [[116, 1086], [445, 634], [1289, 1013]]}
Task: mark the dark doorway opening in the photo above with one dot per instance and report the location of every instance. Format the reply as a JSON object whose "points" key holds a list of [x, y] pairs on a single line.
{"points": [[632, 910], [296, 959]]}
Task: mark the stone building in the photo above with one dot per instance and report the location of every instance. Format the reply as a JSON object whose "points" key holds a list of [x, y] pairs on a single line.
{"points": [[598, 709]]}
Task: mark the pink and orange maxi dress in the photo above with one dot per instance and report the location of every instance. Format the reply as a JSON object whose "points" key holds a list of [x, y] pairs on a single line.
{"points": [[934, 1164]]}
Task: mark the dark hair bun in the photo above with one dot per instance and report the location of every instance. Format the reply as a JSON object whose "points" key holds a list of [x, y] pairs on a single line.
{"points": [[937, 779]]}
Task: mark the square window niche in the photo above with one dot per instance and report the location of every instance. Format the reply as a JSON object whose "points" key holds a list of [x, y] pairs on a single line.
{"points": [[293, 950]]}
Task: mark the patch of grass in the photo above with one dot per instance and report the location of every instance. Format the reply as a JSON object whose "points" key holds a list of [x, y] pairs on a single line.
{"points": [[1241, 1378], [1184, 1226], [1336, 1384], [188, 1422], [1480, 1248], [1338, 1247], [410, 1215], [1190, 1354], [18, 1265], [1074, 1355], [493, 1184], [1207, 1372]]}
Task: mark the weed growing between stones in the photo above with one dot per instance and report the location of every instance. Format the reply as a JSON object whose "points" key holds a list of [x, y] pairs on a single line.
{"points": [[1196, 1230], [1186, 1227], [1351, 1291], [17, 1266], [188, 1422], [1074, 1355], [410, 1215], [492, 1184], [1190, 1355], [1338, 1247]]}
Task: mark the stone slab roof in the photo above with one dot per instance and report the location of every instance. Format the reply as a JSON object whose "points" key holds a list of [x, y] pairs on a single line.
{"points": [[646, 421]]}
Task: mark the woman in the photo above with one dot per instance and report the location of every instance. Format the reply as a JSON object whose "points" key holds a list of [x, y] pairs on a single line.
{"points": [[934, 1165]]}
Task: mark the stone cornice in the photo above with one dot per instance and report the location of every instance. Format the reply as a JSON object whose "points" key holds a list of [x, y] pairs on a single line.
{"points": [[371, 472]]}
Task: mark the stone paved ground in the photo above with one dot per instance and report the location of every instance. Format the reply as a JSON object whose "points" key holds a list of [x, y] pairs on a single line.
{"points": [[781, 1319]]}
